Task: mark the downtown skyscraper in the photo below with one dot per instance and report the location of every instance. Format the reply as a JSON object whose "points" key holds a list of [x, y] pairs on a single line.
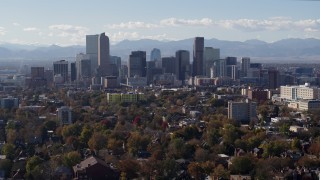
{"points": [[198, 47], [98, 49], [182, 65], [92, 51], [61, 68], [137, 64], [103, 55]]}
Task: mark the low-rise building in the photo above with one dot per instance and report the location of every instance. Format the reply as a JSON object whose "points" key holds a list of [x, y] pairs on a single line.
{"points": [[128, 97], [111, 82], [307, 105], [297, 129], [94, 168], [137, 81], [64, 115], [9, 102]]}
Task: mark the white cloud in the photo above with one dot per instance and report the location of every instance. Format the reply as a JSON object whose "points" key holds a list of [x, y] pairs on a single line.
{"points": [[16, 24], [157, 37], [186, 22], [30, 29], [65, 30], [120, 36], [133, 25], [2, 31], [311, 30], [75, 33], [270, 24], [162, 23]]}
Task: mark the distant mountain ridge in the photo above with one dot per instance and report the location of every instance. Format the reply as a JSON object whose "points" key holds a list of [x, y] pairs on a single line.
{"points": [[286, 48]]}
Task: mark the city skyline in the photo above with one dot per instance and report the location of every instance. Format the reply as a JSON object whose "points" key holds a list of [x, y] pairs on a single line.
{"points": [[67, 23]]}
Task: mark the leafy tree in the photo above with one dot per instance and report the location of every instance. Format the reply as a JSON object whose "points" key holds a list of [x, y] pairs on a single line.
{"points": [[255, 140], [97, 141], [201, 155], [179, 149], [123, 176], [50, 125], [216, 102], [195, 170], [309, 163], [168, 169], [73, 142], [12, 135], [315, 149], [114, 144], [284, 128], [8, 151], [207, 167], [273, 148], [71, 159], [263, 169], [86, 134], [229, 133], [242, 164], [240, 143], [192, 101], [221, 172], [137, 142], [158, 155], [212, 136], [130, 167], [71, 130], [37, 173], [32, 163], [295, 144], [263, 110]]}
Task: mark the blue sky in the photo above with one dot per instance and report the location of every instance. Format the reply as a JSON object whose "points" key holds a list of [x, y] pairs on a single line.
{"points": [[66, 22]]}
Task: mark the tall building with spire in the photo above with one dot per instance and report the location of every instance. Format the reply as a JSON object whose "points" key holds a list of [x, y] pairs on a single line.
{"points": [[198, 47]]}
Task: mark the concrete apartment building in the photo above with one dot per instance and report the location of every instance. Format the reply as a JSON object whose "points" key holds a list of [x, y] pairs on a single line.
{"points": [[242, 111]]}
